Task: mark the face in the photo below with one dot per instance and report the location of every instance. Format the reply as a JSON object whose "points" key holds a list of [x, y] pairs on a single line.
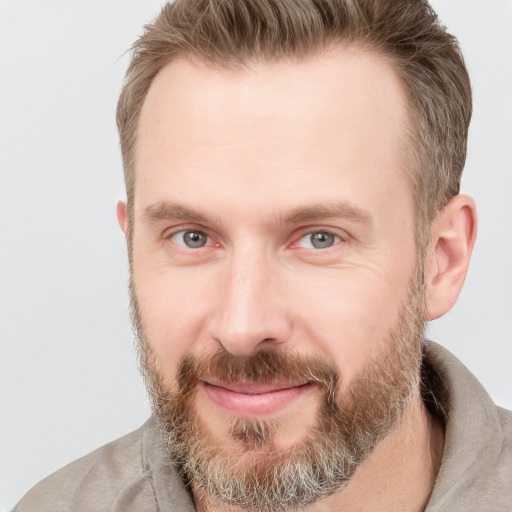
{"points": [[273, 259]]}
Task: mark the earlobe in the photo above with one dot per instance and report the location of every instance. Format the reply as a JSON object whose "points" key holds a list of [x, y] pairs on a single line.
{"points": [[453, 236], [122, 216]]}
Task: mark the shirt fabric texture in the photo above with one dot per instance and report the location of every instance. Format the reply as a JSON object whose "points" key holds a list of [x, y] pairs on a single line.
{"points": [[133, 473]]}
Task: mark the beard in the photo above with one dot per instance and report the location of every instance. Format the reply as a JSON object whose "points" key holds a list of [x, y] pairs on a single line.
{"points": [[257, 475]]}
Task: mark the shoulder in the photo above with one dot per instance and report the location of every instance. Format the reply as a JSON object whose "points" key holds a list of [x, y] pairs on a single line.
{"points": [[96, 482], [476, 469], [490, 486], [505, 457]]}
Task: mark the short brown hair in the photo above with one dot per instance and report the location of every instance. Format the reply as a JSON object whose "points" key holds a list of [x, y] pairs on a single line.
{"points": [[406, 32]]}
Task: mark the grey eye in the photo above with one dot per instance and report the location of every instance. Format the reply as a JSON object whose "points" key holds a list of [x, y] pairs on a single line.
{"points": [[190, 239], [318, 240], [322, 240]]}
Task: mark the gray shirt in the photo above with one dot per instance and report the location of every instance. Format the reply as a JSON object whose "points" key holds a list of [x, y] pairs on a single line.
{"points": [[132, 474]]}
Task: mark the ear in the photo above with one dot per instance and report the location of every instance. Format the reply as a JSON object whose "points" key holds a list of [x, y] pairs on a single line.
{"points": [[122, 216], [453, 235]]}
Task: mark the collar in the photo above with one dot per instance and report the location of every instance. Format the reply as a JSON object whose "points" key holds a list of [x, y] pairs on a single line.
{"points": [[473, 431]]}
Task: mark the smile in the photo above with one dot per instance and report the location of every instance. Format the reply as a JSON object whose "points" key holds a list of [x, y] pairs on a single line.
{"points": [[250, 399]]}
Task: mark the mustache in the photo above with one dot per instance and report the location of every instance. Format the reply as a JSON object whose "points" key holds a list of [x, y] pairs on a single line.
{"points": [[265, 366]]}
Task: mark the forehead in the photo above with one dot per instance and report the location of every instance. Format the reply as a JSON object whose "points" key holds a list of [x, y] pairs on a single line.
{"points": [[341, 81], [342, 112]]}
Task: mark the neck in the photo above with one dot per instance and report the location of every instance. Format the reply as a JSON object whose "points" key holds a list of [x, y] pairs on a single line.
{"points": [[398, 475]]}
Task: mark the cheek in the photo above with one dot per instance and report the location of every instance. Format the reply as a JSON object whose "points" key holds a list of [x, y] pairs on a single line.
{"points": [[350, 321], [173, 307]]}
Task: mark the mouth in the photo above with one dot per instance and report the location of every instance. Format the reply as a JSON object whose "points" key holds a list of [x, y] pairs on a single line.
{"points": [[254, 399]]}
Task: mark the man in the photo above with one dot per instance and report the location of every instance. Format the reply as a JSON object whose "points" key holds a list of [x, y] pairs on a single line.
{"points": [[292, 221]]}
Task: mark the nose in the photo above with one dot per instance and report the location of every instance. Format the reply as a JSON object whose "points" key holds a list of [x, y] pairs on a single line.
{"points": [[250, 311]]}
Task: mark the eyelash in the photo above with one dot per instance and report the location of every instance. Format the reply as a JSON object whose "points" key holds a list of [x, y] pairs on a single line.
{"points": [[331, 237], [183, 232]]}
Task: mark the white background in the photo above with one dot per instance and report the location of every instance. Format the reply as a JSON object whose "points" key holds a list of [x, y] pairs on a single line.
{"points": [[68, 377]]}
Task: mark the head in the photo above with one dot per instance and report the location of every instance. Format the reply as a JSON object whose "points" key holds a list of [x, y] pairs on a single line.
{"points": [[292, 171]]}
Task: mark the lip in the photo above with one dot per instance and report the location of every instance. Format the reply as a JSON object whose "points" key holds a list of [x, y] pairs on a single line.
{"points": [[250, 399]]}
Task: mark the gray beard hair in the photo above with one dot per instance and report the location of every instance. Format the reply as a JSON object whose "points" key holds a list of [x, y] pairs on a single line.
{"points": [[349, 427]]}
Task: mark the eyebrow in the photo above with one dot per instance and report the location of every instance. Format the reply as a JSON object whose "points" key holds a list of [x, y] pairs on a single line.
{"points": [[343, 209], [174, 211]]}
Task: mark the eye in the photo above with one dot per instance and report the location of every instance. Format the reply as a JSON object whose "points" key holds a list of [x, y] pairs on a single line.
{"points": [[318, 240], [191, 239]]}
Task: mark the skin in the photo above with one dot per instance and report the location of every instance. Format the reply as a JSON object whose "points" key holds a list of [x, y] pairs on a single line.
{"points": [[257, 160]]}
